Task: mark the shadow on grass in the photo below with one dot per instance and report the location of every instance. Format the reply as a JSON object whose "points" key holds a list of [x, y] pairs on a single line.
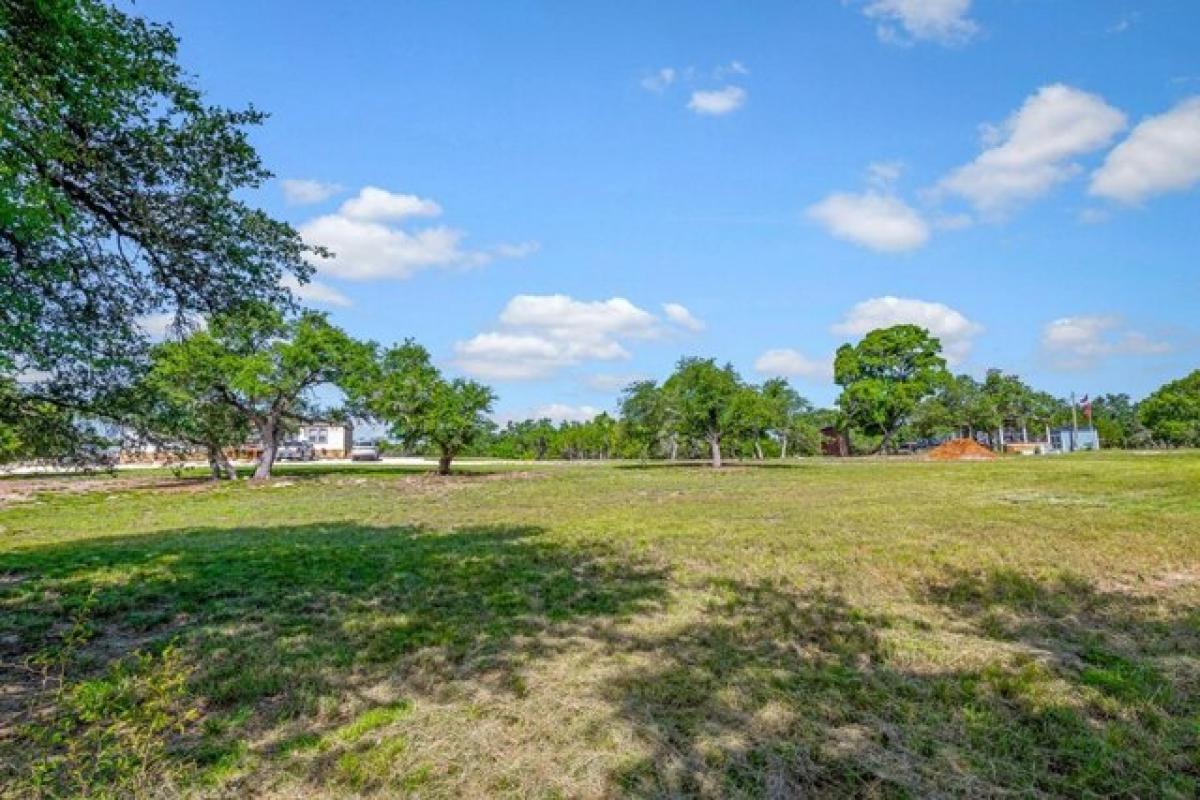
{"points": [[1109, 639], [783, 693], [770, 691], [270, 625]]}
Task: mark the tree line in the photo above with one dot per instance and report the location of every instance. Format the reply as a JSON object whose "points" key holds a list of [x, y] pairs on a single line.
{"points": [[123, 195], [896, 393]]}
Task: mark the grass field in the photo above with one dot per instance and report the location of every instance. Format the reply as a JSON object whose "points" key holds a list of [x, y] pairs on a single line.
{"points": [[1024, 627]]}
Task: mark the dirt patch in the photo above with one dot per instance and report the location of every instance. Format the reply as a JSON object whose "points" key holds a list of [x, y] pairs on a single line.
{"points": [[21, 490], [1153, 585], [961, 450]]}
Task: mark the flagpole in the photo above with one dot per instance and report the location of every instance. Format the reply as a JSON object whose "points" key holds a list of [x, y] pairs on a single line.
{"points": [[1074, 424]]}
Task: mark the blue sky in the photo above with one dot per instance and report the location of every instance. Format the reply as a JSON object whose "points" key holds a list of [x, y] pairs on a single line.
{"points": [[542, 177]]}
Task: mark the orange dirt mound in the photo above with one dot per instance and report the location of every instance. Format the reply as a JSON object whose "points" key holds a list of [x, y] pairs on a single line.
{"points": [[961, 450]]}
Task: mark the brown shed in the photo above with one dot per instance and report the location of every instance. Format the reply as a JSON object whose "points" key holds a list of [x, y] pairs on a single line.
{"points": [[834, 442]]}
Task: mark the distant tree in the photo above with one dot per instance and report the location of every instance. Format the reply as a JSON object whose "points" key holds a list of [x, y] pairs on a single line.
{"points": [[786, 410], [422, 407], [1116, 419], [753, 417], [886, 375], [598, 437], [1172, 412], [1008, 396], [1043, 409], [948, 410], [120, 195], [181, 416], [264, 366], [702, 400], [644, 415], [527, 439]]}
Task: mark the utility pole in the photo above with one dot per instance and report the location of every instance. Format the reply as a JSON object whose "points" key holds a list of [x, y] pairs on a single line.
{"points": [[1074, 424]]}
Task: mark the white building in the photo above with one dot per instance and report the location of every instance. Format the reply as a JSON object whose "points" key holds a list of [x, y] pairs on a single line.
{"points": [[329, 439]]}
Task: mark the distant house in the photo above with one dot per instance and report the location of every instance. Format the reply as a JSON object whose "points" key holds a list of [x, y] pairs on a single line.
{"points": [[329, 439]]}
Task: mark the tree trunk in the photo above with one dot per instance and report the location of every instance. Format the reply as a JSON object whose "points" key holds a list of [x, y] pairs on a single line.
{"points": [[270, 445], [226, 467], [218, 462], [886, 442], [783, 446], [214, 463], [674, 448], [758, 453], [444, 462], [715, 443]]}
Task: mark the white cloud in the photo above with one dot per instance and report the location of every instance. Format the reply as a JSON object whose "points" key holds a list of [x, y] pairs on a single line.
{"points": [[660, 80], [366, 244], [790, 363], [903, 21], [373, 204], [315, 292], [1162, 154], [956, 332], [1081, 342], [682, 317], [1032, 151], [612, 381], [564, 317], [370, 250], [521, 356], [539, 335], [561, 412], [877, 220], [717, 102], [303, 191]]}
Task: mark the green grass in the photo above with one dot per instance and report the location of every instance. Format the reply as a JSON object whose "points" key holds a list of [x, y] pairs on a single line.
{"points": [[1023, 627]]}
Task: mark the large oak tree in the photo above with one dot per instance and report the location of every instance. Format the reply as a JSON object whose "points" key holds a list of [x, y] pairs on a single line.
{"points": [[886, 375], [121, 195], [265, 366], [703, 402]]}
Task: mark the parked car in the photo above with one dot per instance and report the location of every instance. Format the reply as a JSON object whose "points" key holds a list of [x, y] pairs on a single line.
{"points": [[296, 450], [364, 452]]}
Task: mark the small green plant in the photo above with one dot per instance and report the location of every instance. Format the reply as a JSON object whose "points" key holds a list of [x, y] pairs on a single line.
{"points": [[109, 735]]}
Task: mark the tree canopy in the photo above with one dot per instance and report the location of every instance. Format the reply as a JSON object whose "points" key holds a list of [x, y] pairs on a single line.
{"points": [[180, 415], [422, 407], [264, 365], [886, 375], [1172, 412], [35, 430], [644, 414], [120, 195], [702, 399]]}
